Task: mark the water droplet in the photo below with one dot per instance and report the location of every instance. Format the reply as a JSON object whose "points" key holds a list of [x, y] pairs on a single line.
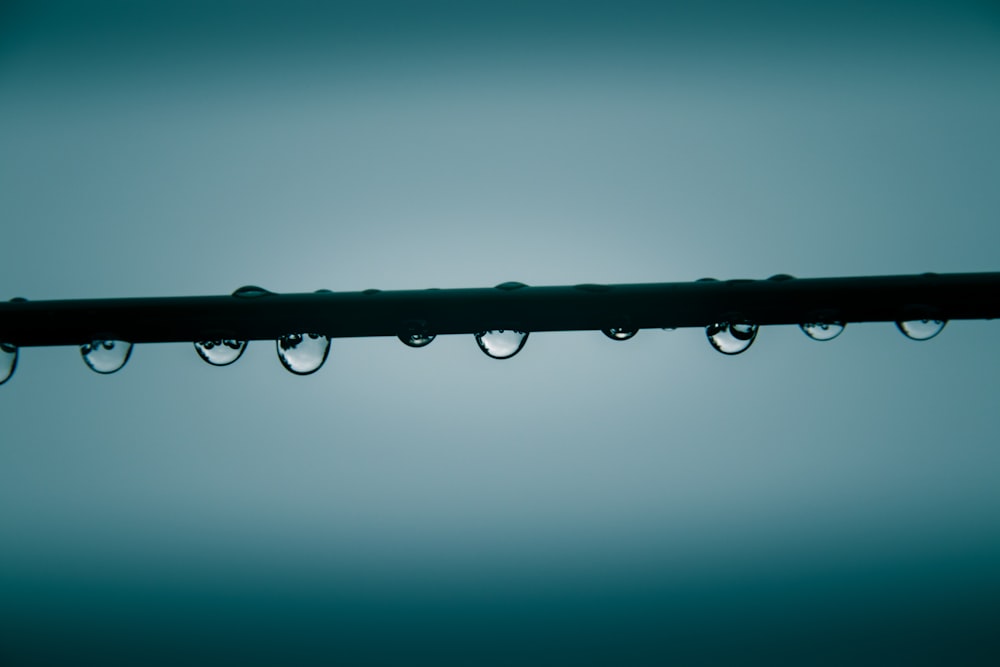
{"points": [[822, 330], [220, 352], [8, 361], [303, 354], [19, 299], [416, 340], [731, 338], [921, 329], [251, 292], [106, 356], [500, 343], [619, 334], [510, 286], [415, 334], [781, 277], [707, 280], [370, 291]]}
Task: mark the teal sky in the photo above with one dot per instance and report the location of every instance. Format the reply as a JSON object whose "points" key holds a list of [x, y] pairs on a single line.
{"points": [[623, 502]]}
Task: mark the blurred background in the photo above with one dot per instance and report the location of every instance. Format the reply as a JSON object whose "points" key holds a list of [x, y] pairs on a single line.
{"points": [[586, 502]]}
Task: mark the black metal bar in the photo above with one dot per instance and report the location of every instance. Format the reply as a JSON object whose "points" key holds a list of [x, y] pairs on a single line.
{"points": [[777, 300]]}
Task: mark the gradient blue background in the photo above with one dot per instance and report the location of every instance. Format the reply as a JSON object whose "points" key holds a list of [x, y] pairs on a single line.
{"points": [[585, 502]]}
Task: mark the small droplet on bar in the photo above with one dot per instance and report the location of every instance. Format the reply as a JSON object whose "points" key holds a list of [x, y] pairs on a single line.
{"points": [[251, 292], [510, 286], [619, 334], [731, 338], [921, 329], [416, 340], [822, 330], [8, 361], [303, 354], [106, 356], [501, 343], [220, 352]]}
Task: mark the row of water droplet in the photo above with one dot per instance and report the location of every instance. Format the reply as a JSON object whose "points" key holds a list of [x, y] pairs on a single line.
{"points": [[303, 354]]}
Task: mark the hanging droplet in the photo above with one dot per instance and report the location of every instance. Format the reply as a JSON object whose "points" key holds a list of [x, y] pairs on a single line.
{"points": [[416, 333], [501, 343], [8, 361], [416, 340], [251, 292], [220, 352], [106, 356], [822, 330], [619, 334], [921, 329], [303, 354], [731, 338]]}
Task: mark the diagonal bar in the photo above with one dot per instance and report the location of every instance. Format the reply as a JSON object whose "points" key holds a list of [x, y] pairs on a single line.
{"points": [[778, 300]]}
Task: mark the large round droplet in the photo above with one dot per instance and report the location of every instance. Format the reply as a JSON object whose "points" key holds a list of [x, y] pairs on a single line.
{"points": [[303, 354], [501, 343], [220, 352], [822, 330], [921, 329], [731, 338], [416, 340], [106, 356], [619, 334], [8, 361], [251, 292]]}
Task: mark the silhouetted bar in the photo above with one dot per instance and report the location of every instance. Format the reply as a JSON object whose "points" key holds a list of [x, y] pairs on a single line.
{"points": [[778, 300]]}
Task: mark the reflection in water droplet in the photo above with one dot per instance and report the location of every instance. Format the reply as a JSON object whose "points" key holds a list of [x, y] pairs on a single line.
{"points": [[500, 343], [731, 338], [921, 329], [619, 334], [220, 352], [822, 330], [416, 340], [303, 354], [8, 361], [106, 356], [251, 292]]}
